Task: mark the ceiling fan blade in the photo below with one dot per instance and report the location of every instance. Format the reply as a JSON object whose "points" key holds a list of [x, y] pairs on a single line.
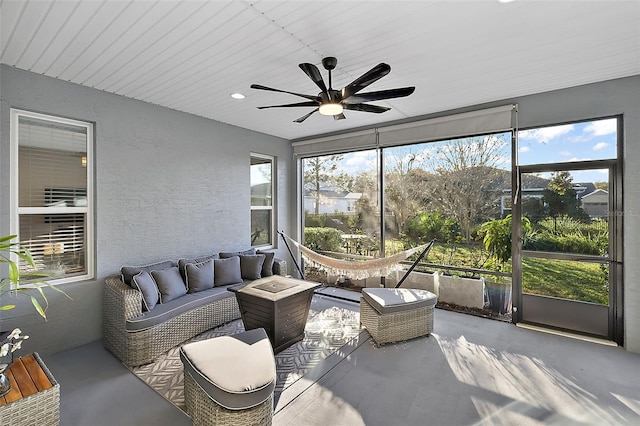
{"points": [[380, 95], [304, 117], [299, 104], [271, 89], [314, 74], [366, 108], [371, 76], [339, 117]]}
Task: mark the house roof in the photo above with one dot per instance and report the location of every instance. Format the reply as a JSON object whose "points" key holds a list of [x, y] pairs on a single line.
{"points": [[192, 55], [596, 193]]}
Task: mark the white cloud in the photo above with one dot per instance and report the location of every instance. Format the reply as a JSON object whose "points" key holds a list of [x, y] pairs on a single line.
{"points": [[359, 161], [565, 153], [524, 149], [600, 145], [545, 134], [602, 127]]}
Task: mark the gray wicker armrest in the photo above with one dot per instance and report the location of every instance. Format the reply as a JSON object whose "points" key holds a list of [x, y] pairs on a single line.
{"points": [[127, 300], [120, 302], [279, 267]]}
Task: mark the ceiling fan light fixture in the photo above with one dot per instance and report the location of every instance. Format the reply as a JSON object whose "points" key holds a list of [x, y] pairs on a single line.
{"points": [[331, 108]]}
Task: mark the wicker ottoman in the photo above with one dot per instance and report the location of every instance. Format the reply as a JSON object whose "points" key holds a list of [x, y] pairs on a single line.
{"points": [[229, 380], [396, 314]]}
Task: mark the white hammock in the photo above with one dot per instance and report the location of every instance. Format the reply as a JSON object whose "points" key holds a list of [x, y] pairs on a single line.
{"points": [[355, 269]]}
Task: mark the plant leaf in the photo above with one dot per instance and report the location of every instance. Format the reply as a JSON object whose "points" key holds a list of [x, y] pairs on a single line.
{"points": [[39, 309]]}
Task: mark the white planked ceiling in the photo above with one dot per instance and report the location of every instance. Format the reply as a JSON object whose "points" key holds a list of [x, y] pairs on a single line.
{"points": [[191, 55]]}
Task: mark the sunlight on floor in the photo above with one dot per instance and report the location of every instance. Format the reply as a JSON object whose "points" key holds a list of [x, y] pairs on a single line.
{"points": [[632, 404], [522, 385], [567, 334]]}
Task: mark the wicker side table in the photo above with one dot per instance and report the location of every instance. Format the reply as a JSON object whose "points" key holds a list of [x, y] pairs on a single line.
{"points": [[34, 398]]}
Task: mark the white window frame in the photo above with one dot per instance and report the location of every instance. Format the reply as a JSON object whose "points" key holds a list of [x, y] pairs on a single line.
{"points": [[17, 211], [272, 207]]}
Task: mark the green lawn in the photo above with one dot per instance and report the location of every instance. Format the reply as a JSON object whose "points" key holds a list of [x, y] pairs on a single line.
{"points": [[566, 279], [570, 280]]}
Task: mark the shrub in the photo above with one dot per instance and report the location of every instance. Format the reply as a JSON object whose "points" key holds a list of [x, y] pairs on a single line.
{"points": [[575, 242], [323, 239], [565, 234], [427, 226], [346, 222]]}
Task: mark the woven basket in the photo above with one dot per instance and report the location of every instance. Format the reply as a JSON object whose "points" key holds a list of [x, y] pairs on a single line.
{"points": [[204, 411], [396, 326], [40, 408]]}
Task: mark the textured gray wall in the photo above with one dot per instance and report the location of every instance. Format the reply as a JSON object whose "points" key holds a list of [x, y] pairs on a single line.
{"points": [[168, 184]]}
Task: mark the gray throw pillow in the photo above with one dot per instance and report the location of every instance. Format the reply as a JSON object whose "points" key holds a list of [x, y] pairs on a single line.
{"points": [[144, 283], [227, 271], [251, 266], [127, 272], [267, 266], [226, 255], [199, 276], [169, 284], [182, 263]]}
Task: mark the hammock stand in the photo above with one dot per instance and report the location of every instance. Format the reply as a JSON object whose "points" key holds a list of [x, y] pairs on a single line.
{"points": [[395, 259]]}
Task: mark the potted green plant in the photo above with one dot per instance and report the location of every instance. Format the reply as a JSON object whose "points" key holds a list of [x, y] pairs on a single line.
{"points": [[11, 341], [497, 241]]}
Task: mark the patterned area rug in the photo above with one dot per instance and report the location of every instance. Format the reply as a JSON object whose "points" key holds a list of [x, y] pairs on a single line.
{"points": [[327, 331]]}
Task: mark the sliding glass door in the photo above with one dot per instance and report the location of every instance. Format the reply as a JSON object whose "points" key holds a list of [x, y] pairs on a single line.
{"points": [[571, 257]]}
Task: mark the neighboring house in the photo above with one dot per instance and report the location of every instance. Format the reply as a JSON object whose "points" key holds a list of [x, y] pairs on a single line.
{"points": [[596, 203], [331, 199], [583, 188]]}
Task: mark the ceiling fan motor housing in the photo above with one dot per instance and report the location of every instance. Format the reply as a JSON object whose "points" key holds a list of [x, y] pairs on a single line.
{"points": [[329, 63]]}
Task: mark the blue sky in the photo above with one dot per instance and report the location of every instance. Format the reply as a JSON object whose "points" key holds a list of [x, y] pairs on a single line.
{"points": [[593, 140]]}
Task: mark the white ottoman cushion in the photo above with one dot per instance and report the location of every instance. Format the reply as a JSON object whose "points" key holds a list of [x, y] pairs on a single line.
{"points": [[237, 371], [390, 300]]}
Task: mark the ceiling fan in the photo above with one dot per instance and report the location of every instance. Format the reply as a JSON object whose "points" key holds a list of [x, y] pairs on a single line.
{"points": [[334, 102]]}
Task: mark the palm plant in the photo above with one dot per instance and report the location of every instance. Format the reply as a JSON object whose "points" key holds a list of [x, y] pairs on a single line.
{"points": [[13, 282]]}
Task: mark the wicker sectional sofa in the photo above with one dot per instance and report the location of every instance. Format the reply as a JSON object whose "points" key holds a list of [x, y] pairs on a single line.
{"points": [[137, 335]]}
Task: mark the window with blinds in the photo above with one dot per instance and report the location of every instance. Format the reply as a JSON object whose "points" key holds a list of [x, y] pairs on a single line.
{"points": [[262, 200], [52, 194]]}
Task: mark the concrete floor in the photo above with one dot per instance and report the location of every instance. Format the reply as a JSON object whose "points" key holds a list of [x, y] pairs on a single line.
{"points": [[469, 371]]}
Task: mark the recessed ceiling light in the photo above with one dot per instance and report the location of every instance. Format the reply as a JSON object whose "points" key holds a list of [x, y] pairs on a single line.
{"points": [[505, 1], [237, 96]]}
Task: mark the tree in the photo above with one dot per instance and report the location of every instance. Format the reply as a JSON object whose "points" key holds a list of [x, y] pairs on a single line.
{"points": [[467, 176], [602, 185], [561, 199], [404, 189], [318, 170]]}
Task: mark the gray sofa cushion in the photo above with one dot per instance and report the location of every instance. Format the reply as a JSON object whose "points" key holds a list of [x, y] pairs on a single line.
{"points": [[251, 266], [145, 284], [170, 284], [267, 265], [199, 276], [237, 371], [227, 271], [166, 311], [127, 272]]}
